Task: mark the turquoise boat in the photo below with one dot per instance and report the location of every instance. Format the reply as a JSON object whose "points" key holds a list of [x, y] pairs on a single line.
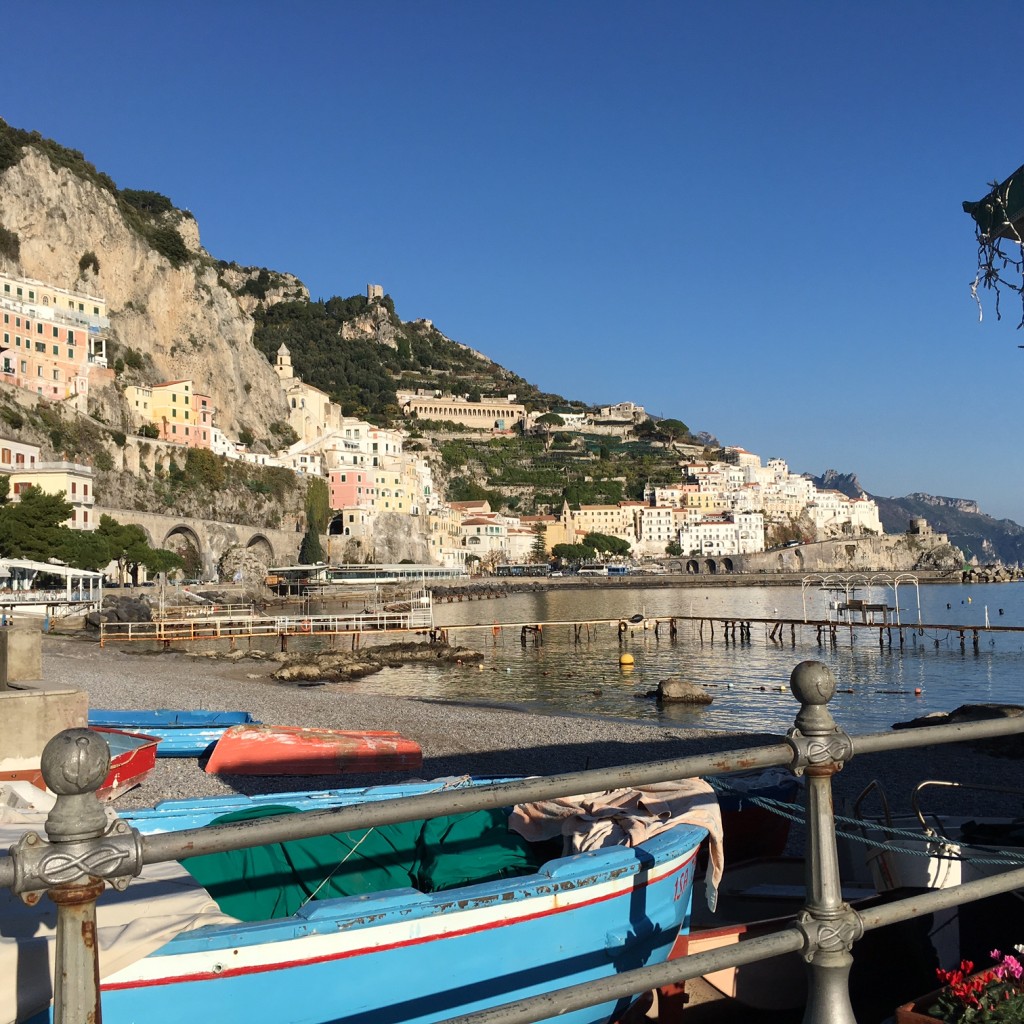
{"points": [[415, 923]]}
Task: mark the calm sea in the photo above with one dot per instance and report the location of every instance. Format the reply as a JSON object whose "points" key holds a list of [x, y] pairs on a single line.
{"points": [[749, 681]]}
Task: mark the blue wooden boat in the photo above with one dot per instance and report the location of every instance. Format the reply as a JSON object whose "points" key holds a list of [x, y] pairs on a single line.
{"points": [[182, 733], [405, 955]]}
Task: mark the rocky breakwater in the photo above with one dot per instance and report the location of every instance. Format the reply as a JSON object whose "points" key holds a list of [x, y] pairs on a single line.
{"points": [[120, 608], [993, 574], [338, 666]]}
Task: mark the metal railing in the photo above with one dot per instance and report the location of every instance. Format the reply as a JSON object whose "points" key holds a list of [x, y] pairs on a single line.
{"points": [[82, 851], [247, 625]]}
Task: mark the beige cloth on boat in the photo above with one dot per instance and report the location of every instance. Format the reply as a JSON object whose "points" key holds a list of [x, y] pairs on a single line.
{"points": [[626, 817]]}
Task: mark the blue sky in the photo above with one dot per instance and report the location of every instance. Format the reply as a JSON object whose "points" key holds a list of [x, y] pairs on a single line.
{"points": [[742, 215]]}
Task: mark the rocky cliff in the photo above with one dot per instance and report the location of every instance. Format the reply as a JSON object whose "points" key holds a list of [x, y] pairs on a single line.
{"points": [[187, 316]]}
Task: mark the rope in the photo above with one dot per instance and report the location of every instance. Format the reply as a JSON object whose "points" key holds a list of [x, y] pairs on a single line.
{"points": [[327, 878], [949, 849]]}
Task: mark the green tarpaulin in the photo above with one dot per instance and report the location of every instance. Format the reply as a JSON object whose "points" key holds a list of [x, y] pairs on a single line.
{"points": [[275, 880]]}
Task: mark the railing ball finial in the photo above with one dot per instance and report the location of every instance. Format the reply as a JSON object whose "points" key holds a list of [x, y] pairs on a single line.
{"points": [[74, 764], [814, 685], [812, 682]]}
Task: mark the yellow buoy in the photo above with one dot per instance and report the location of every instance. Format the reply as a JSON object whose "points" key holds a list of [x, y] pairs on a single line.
{"points": [[625, 659]]}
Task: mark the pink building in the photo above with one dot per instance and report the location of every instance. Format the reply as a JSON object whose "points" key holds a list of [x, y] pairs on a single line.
{"points": [[351, 488], [42, 356]]}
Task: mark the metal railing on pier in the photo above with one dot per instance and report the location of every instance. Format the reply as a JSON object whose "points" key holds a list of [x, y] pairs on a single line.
{"points": [[248, 626], [82, 851]]}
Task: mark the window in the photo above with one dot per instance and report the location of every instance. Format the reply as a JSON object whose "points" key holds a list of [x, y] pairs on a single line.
{"points": [[56, 374], [39, 328], [85, 490], [56, 333], [40, 346], [5, 456], [71, 336], [74, 487], [71, 353], [56, 350]]}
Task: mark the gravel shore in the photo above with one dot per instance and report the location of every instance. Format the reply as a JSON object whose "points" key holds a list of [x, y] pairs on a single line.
{"points": [[456, 738]]}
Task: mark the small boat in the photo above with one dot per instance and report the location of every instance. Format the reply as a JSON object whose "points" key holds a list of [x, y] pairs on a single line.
{"points": [[132, 758], [757, 897], [398, 924], [183, 733], [291, 750]]}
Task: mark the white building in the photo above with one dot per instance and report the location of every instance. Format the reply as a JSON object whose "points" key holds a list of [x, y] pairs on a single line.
{"points": [[737, 533]]}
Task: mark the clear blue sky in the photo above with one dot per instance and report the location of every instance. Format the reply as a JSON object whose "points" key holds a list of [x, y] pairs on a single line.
{"points": [[742, 215]]}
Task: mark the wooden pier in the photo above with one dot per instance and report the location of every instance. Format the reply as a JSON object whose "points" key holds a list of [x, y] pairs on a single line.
{"points": [[735, 629]]}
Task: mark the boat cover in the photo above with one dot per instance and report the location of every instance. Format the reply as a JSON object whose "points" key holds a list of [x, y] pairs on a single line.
{"points": [[626, 817], [275, 880]]}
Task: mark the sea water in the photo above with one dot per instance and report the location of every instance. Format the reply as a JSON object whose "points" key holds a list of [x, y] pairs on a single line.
{"points": [[748, 680]]}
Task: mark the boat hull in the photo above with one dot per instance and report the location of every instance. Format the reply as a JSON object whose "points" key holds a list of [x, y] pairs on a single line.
{"points": [[291, 750], [405, 956], [132, 758], [181, 733]]}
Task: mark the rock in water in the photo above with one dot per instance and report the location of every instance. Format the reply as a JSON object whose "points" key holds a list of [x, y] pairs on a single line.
{"points": [[678, 691]]}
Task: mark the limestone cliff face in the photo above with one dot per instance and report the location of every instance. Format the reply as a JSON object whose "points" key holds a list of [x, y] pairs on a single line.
{"points": [[373, 325], [189, 319]]}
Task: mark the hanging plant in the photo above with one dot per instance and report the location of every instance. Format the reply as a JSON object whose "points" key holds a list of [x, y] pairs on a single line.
{"points": [[998, 223]]}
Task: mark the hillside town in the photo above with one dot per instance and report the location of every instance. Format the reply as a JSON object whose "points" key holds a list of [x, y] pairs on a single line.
{"points": [[55, 346]]}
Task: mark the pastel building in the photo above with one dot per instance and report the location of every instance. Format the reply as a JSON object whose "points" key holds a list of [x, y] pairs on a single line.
{"points": [[351, 487], [445, 537], [68, 480], [487, 414], [725, 534], [180, 414]]}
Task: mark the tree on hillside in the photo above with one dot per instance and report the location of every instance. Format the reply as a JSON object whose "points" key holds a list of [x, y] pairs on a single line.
{"points": [[573, 552], [607, 545], [32, 527], [84, 549], [539, 551], [549, 421], [311, 551], [318, 505], [129, 547], [158, 560], [673, 430]]}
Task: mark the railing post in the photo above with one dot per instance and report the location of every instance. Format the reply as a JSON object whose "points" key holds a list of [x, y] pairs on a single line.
{"points": [[830, 926], [82, 849]]}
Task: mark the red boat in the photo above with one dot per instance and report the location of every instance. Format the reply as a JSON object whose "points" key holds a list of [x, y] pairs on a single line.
{"points": [[292, 750], [132, 758]]}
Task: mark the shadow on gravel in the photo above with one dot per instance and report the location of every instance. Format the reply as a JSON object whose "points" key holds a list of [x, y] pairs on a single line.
{"points": [[539, 760]]}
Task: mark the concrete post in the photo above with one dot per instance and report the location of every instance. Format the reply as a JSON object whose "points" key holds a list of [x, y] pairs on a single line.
{"points": [[21, 657], [830, 925]]}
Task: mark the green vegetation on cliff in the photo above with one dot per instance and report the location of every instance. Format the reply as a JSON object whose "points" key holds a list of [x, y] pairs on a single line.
{"points": [[361, 373]]}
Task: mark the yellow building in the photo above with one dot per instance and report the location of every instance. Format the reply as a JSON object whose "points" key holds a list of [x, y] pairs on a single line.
{"points": [[487, 414], [68, 480], [181, 414]]}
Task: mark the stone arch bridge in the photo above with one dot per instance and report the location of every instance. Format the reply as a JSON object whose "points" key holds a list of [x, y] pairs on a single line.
{"points": [[210, 537]]}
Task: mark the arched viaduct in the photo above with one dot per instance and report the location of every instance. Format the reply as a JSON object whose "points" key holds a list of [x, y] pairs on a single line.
{"points": [[210, 537]]}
